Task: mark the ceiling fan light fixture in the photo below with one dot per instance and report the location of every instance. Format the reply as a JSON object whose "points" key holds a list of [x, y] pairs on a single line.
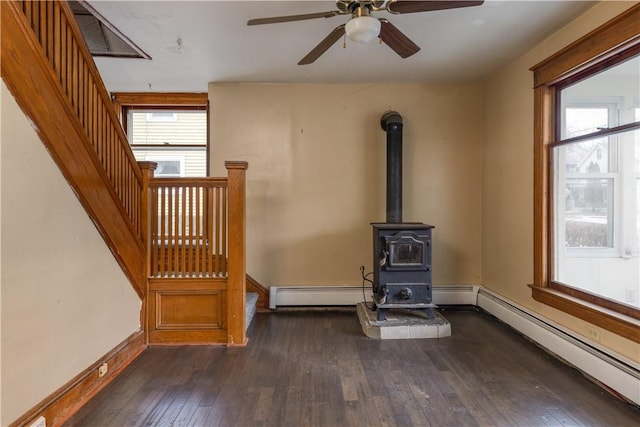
{"points": [[362, 29]]}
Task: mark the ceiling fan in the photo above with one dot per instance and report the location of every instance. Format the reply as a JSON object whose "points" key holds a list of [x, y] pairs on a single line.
{"points": [[363, 27]]}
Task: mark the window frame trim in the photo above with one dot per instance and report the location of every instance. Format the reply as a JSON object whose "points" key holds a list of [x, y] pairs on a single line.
{"points": [[610, 43]]}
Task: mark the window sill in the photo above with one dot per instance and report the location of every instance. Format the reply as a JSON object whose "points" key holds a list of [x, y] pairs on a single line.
{"points": [[620, 324]]}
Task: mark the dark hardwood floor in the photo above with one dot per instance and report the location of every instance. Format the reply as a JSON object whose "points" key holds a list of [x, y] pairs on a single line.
{"points": [[316, 368]]}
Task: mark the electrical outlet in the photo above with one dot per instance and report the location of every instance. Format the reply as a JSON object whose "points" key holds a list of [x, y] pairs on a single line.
{"points": [[102, 370], [594, 334], [40, 422]]}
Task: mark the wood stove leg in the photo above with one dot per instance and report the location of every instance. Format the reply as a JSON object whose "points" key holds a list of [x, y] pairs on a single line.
{"points": [[382, 314]]}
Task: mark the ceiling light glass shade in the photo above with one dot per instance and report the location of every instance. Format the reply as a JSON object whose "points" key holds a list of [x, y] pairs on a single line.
{"points": [[362, 29]]}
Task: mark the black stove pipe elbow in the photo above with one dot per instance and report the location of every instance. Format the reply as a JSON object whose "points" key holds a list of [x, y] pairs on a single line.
{"points": [[391, 123]]}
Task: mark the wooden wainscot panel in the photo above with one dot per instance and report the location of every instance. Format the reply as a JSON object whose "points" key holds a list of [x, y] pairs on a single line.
{"points": [[189, 310]]}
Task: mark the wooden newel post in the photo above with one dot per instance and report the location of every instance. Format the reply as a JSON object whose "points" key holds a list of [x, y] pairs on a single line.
{"points": [[237, 269], [148, 169]]}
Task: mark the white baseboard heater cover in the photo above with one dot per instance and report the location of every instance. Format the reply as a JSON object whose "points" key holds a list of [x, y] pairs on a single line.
{"points": [[282, 296]]}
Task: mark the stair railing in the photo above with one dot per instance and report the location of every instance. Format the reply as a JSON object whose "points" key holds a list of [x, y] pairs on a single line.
{"points": [[188, 227], [64, 46], [197, 232], [50, 72]]}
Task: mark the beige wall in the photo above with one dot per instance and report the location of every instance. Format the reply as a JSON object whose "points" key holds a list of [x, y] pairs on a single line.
{"points": [[65, 301], [507, 179], [316, 177]]}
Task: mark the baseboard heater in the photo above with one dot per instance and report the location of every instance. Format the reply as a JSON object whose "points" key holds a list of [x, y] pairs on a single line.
{"points": [[612, 370], [305, 296]]}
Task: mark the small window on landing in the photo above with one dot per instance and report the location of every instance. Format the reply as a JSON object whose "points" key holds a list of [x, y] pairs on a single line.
{"points": [[176, 139], [169, 129]]}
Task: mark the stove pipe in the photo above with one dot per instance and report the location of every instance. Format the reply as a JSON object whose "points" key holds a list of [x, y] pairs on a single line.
{"points": [[391, 123]]}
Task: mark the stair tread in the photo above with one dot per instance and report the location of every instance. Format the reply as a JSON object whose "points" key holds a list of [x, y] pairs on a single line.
{"points": [[252, 301]]}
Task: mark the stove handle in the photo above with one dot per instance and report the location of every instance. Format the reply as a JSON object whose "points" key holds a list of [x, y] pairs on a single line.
{"points": [[383, 259]]}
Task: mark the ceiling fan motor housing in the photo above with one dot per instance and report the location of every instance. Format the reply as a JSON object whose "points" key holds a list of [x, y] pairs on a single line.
{"points": [[348, 6]]}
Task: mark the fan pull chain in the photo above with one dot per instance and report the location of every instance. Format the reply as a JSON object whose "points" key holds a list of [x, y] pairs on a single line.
{"points": [[344, 41]]}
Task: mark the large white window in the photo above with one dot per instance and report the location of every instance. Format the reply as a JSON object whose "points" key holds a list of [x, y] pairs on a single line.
{"points": [[586, 176], [595, 175]]}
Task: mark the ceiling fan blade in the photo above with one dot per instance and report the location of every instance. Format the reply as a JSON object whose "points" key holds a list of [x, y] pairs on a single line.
{"points": [[410, 6], [396, 40], [322, 47], [290, 18]]}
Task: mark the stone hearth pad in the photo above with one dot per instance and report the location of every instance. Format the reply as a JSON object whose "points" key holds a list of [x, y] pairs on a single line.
{"points": [[402, 324]]}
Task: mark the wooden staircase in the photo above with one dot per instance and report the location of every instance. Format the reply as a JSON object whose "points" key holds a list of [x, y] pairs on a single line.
{"points": [[181, 242]]}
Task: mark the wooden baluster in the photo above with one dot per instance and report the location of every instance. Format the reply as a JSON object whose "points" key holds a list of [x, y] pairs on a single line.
{"points": [[50, 27], [57, 39], [197, 215], [211, 227], [216, 252], [155, 235], [191, 266], [74, 76], [224, 206], [236, 283], [183, 234], [163, 230], [69, 60], [45, 34], [169, 230]]}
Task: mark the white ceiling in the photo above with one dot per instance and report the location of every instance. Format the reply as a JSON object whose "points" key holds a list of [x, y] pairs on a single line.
{"points": [[217, 46]]}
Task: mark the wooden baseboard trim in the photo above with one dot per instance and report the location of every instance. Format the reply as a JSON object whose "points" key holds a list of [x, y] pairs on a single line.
{"points": [[68, 399], [263, 294]]}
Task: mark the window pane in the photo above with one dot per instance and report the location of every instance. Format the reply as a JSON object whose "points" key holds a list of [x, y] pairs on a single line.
{"points": [[175, 139], [588, 213], [167, 127], [175, 162], [592, 156], [584, 120], [605, 99], [596, 216]]}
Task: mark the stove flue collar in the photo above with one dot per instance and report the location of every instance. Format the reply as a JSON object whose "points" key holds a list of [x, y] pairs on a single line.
{"points": [[390, 121]]}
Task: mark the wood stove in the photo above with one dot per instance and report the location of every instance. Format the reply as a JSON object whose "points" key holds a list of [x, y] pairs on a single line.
{"points": [[401, 251], [402, 267]]}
